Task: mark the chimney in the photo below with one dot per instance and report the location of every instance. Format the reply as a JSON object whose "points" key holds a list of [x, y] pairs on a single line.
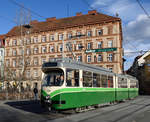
{"points": [[79, 14], [34, 21], [92, 12], [51, 19]]}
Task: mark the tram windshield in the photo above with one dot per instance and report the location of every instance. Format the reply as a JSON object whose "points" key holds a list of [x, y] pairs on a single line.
{"points": [[54, 77]]}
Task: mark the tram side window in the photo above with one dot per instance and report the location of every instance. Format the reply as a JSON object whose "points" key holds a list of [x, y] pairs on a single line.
{"points": [[137, 85], [110, 81], [104, 81], [122, 83], [72, 77], [119, 82], [87, 79], [96, 80], [132, 84]]}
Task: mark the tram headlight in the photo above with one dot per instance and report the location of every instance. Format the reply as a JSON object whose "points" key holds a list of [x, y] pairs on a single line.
{"points": [[47, 97]]}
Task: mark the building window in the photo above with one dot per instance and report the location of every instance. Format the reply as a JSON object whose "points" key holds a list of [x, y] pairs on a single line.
{"points": [[78, 34], [89, 33], [99, 45], [21, 42], [51, 49], [110, 30], [35, 61], [1, 52], [14, 63], [52, 38], [99, 32], [43, 38], [35, 73], [28, 41], [61, 48], [28, 74], [89, 58], [14, 52], [69, 35], [7, 63], [13, 73], [36, 50], [28, 51], [60, 37], [43, 49], [21, 51], [43, 60], [79, 58], [14, 42], [110, 57], [89, 45], [20, 62], [69, 46], [110, 43], [99, 59], [35, 39], [70, 58], [79, 47], [28, 61]]}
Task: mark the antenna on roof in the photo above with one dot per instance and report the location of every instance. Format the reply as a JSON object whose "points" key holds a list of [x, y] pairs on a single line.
{"points": [[67, 10], [23, 17], [117, 15]]}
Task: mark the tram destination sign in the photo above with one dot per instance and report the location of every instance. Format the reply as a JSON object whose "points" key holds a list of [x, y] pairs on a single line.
{"points": [[100, 50], [49, 64]]}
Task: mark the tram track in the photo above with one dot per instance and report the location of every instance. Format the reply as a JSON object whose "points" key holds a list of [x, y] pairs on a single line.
{"points": [[111, 113], [119, 109]]}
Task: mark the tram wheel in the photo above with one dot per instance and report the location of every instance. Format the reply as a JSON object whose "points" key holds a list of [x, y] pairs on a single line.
{"points": [[77, 110]]}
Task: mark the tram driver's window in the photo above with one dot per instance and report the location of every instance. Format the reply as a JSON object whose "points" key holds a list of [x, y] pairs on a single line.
{"points": [[87, 79], [72, 77]]}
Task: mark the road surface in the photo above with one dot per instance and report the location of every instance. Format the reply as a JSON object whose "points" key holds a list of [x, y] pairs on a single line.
{"points": [[137, 110]]}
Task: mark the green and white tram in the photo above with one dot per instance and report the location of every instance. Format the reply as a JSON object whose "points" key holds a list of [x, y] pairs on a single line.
{"points": [[69, 84]]}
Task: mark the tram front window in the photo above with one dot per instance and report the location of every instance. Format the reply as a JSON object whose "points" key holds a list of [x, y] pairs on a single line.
{"points": [[53, 79]]}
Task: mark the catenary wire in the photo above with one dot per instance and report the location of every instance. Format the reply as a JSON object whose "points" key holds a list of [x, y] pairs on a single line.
{"points": [[18, 4], [140, 4]]}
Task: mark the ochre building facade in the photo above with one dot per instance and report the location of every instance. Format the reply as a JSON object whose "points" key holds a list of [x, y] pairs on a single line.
{"points": [[93, 38]]}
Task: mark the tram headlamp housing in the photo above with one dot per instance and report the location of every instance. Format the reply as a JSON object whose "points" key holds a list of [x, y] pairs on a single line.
{"points": [[47, 97]]}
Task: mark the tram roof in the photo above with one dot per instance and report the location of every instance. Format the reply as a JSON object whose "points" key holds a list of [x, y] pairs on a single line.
{"points": [[68, 63]]}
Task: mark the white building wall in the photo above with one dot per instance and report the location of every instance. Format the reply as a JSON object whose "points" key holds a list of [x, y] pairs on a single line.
{"points": [[2, 61]]}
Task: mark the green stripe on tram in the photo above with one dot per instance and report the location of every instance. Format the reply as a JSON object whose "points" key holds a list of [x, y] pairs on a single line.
{"points": [[73, 90], [78, 97]]}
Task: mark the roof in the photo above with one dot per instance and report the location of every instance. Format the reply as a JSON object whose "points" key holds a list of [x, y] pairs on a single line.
{"points": [[141, 60], [52, 24], [69, 63], [2, 43], [2, 37]]}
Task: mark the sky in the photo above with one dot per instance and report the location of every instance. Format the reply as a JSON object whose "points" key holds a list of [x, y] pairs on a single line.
{"points": [[135, 23]]}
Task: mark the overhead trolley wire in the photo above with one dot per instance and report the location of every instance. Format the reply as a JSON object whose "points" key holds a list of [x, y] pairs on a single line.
{"points": [[140, 4], [8, 19], [84, 1], [18, 4]]}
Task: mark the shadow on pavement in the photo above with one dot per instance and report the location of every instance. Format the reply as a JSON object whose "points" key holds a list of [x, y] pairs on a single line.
{"points": [[29, 106], [34, 106]]}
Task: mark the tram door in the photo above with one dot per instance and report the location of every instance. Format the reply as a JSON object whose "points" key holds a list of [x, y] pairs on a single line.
{"points": [[76, 75]]}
